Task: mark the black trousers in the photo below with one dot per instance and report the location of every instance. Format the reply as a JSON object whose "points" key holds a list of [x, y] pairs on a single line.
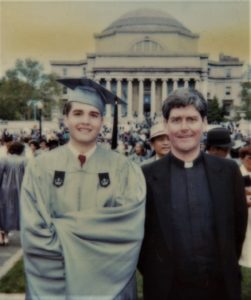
{"points": [[208, 290]]}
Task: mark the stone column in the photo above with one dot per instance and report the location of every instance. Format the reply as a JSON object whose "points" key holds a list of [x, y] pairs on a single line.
{"points": [[119, 94], [141, 99], [203, 88], [108, 106], [175, 84], [185, 83], [129, 99], [153, 98], [197, 84], [164, 89]]}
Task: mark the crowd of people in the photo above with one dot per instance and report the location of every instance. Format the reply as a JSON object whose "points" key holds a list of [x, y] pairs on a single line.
{"points": [[88, 220]]}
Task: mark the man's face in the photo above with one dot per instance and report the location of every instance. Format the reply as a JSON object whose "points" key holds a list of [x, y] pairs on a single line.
{"points": [[84, 123], [161, 145], [185, 127], [43, 145], [247, 162], [33, 147], [138, 149]]}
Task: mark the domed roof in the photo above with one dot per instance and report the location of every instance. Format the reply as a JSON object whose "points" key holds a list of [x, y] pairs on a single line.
{"points": [[146, 20]]}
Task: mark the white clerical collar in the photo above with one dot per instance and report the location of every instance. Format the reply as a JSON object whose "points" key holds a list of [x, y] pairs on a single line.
{"points": [[76, 153], [188, 164]]}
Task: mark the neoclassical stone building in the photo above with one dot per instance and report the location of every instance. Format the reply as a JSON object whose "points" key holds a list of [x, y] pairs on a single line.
{"points": [[144, 55]]}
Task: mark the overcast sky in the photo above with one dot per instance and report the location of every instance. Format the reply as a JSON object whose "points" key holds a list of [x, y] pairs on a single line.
{"points": [[63, 30]]}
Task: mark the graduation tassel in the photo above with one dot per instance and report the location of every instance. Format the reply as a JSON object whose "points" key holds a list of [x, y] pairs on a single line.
{"points": [[115, 126]]}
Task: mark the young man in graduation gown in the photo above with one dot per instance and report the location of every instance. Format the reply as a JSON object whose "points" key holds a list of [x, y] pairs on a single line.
{"points": [[82, 210], [196, 213]]}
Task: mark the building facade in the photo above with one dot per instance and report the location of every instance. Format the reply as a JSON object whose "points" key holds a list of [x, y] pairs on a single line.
{"points": [[146, 54]]}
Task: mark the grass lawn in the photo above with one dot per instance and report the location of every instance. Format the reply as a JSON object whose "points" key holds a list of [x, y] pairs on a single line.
{"points": [[14, 282], [246, 284]]}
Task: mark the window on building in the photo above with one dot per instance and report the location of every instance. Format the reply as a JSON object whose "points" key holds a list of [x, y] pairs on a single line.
{"points": [[147, 97], [64, 71], [227, 107], [102, 82], [124, 90], [114, 86], [64, 90], [181, 83], [169, 86], [228, 91], [228, 72], [124, 97], [147, 46], [191, 83]]}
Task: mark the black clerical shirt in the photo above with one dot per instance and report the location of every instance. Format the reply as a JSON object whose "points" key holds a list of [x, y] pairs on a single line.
{"points": [[196, 256]]}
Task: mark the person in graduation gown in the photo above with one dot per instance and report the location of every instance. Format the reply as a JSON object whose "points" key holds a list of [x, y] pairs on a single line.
{"points": [[196, 213], [82, 210], [245, 167], [12, 168]]}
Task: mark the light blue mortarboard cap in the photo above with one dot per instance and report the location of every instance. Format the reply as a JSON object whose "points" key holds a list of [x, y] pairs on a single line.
{"points": [[87, 91]]}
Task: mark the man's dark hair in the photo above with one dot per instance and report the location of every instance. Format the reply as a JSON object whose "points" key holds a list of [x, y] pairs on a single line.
{"points": [[6, 138], [35, 143], [16, 148], [52, 144], [183, 97], [26, 139], [244, 151], [67, 108]]}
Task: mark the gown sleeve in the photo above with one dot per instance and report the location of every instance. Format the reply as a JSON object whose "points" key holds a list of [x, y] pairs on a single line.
{"points": [[131, 184], [43, 258], [2, 167], [2, 213]]}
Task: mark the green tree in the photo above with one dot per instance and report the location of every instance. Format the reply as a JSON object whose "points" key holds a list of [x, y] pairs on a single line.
{"points": [[214, 111], [25, 82], [246, 99], [10, 102]]}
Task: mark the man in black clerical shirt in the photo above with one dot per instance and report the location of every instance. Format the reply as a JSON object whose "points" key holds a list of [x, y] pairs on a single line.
{"points": [[196, 213]]}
